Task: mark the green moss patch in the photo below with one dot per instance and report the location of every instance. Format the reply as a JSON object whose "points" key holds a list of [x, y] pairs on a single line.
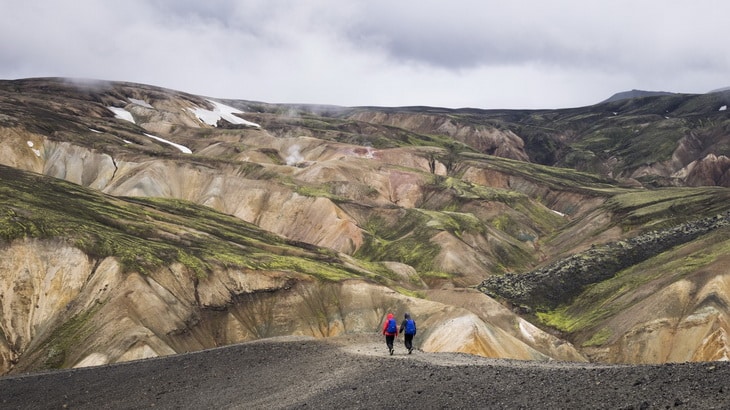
{"points": [[659, 208], [65, 337], [147, 233], [405, 239]]}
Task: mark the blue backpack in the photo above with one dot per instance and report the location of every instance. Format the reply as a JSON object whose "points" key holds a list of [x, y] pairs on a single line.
{"points": [[392, 326], [410, 327]]}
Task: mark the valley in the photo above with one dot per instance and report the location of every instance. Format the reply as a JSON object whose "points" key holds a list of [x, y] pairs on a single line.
{"points": [[141, 222]]}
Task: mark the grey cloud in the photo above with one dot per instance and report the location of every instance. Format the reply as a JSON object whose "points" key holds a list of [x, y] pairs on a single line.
{"points": [[605, 35], [464, 35], [457, 53]]}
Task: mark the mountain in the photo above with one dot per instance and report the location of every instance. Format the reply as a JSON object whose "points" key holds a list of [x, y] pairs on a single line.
{"points": [[142, 222], [627, 95]]}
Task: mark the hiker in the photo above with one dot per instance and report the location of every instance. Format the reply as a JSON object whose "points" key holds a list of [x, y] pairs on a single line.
{"points": [[408, 328], [390, 330]]}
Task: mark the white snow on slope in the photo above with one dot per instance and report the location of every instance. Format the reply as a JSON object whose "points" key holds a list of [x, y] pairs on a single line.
{"points": [[723, 108], [220, 111], [558, 212], [37, 152], [142, 103], [182, 148], [122, 114]]}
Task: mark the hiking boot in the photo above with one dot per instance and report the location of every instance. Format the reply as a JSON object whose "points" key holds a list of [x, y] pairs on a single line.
{"points": [[410, 350], [391, 352]]}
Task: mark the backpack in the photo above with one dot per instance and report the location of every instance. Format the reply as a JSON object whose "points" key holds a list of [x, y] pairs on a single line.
{"points": [[410, 327], [392, 326]]}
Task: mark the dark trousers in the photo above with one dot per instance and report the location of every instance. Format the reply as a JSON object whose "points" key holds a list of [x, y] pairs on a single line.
{"points": [[408, 340], [389, 341]]}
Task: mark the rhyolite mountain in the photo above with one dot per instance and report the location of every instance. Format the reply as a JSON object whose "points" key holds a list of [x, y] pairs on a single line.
{"points": [[138, 221]]}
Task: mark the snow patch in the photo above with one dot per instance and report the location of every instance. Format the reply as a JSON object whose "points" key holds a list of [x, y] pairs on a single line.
{"points": [[122, 114], [37, 152], [142, 103], [96, 131], [182, 148], [723, 108], [220, 111]]}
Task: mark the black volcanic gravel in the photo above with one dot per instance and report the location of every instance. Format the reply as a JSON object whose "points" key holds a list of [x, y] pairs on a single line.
{"points": [[357, 372]]}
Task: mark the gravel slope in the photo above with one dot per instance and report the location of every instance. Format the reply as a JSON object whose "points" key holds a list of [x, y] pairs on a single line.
{"points": [[356, 372]]}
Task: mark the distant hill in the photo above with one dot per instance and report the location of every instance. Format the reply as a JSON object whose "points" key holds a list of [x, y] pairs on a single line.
{"points": [[625, 95], [719, 90]]}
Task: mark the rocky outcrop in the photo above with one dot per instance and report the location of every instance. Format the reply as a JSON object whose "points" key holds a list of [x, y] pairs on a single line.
{"points": [[710, 170], [40, 283], [561, 281]]}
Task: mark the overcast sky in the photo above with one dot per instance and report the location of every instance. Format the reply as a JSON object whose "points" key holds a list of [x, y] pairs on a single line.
{"points": [[456, 53]]}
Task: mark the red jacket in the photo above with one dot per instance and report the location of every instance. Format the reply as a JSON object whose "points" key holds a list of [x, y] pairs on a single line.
{"points": [[385, 326]]}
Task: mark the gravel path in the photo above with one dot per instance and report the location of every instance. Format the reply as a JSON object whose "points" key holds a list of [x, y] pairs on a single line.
{"points": [[356, 371]]}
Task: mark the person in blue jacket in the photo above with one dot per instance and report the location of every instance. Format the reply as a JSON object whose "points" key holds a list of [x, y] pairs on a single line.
{"points": [[408, 329]]}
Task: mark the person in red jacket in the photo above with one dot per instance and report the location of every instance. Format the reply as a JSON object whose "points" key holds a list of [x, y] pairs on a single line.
{"points": [[390, 330]]}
